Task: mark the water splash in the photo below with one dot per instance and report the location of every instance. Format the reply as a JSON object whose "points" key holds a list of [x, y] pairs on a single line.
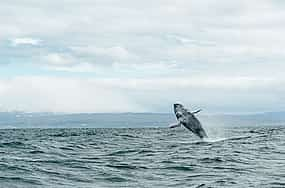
{"points": [[225, 139], [214, 139]]}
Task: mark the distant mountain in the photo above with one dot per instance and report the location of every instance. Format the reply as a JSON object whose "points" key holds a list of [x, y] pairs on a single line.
{"points": [[266, 118], [83, 120]]}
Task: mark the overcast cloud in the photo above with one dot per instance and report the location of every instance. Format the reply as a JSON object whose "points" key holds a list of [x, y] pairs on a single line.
{"points": [[142, 56]]}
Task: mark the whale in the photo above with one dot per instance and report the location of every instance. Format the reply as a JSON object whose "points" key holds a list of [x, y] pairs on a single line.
{"points": [[187, 119]]}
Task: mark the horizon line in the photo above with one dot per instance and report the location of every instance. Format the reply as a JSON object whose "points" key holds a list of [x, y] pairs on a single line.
{"points": [[75, 113]]}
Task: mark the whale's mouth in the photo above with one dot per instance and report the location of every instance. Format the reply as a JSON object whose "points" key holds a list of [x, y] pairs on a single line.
{"points": [[177, 106]]}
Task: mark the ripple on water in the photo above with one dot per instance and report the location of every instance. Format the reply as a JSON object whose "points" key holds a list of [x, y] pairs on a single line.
{"points": [[211, 160], [178, 168], [123, 152], [126, 166], [12, 144]]}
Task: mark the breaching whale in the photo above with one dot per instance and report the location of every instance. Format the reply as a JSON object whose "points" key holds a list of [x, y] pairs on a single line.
{"points": [[188, 120]]}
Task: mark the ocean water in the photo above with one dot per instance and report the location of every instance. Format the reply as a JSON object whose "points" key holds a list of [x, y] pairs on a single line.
{"points": [[141, 157]]}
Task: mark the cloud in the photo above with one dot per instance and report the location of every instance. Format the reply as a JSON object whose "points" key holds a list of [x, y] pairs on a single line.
{"points": [[59, 59], [114, 53], [63, 95], [56, 94], [200, 52], [76, 68], [25, 41], [148, 68]]}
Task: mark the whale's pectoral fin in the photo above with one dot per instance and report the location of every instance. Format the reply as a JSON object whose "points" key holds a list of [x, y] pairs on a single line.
{"points": [[174, 125], [197, 111]]}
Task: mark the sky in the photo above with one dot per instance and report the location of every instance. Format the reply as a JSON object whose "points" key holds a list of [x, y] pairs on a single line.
{"points": [[142, 56]]}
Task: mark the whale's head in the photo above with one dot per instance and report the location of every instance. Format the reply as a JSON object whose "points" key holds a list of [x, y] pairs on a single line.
{"points": [[177, 106], [178, 110]]}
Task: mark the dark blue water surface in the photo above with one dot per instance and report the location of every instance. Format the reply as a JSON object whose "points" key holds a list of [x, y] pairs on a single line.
{"points": [[142, 157]]}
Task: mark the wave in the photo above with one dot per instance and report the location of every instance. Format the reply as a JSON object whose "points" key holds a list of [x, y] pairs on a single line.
{"points": [[139, 158]]}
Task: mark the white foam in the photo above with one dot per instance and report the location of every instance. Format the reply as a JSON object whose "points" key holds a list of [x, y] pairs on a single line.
{"points": [[223, 139], [214, 139]]}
